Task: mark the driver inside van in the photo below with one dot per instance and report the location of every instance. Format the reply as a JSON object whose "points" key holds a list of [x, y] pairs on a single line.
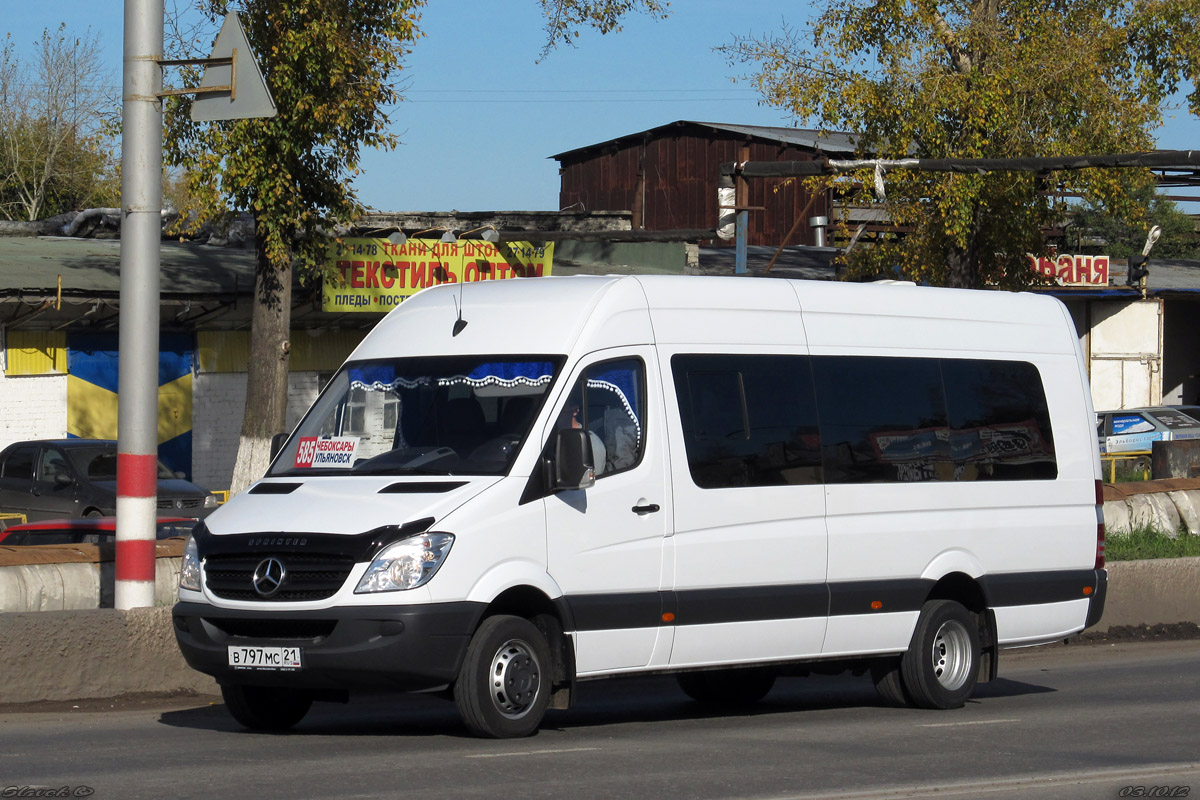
{"points": [[571, 417]]}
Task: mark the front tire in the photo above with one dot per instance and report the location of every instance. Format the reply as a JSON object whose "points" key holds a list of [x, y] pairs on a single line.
{"points": [[266, 708], [941, 666], [503, 688]]}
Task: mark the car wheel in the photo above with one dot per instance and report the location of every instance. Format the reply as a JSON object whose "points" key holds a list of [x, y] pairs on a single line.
{"points": [[941, 666], [503, 688], [727, 686], [92, 512], [266, 708]]}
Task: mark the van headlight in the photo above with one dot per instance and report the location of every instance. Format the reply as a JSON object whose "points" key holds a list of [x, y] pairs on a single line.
{"points": [[189, 567], [210, 500], [406, 564]]}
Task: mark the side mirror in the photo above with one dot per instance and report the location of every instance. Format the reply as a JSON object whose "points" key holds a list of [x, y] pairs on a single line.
{"points": [[573, 466], [277, 443], [63, 479]]}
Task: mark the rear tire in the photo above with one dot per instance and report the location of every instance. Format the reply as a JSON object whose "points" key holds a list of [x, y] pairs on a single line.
{"points": [[503, 688], [266, 708], [941, 666], [727, 686]]}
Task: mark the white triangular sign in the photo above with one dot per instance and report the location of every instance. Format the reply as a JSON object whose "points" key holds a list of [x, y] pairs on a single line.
{"points": [[249, 96]]}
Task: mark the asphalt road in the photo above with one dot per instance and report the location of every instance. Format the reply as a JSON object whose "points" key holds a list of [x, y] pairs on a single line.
{"points": [[1068, 722]]}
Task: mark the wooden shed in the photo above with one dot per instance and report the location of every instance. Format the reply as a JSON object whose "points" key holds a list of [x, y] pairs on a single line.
{"points": [[667, 176]]}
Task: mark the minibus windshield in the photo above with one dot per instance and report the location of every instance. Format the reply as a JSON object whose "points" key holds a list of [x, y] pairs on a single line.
{"points": [[448, 415]]}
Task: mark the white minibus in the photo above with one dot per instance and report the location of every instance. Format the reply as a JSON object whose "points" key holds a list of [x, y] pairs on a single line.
{"points": [[514, 487]]}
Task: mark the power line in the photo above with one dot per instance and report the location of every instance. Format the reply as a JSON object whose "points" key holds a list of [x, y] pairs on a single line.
{"points": [[574, 91], [564, 101], [572, 96]]}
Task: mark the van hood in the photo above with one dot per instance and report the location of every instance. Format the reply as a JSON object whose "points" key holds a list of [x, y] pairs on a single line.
{"points": [[342, 505]]}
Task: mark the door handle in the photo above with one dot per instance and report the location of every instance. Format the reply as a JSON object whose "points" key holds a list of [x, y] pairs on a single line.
{"points": [[646, 509]]}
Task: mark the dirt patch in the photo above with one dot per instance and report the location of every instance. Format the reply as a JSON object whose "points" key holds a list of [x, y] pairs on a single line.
{"points": [[1162, 632]]}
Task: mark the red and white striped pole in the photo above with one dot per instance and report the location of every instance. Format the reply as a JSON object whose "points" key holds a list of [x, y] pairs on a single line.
{"points": [[137, 512], [141, 232]]}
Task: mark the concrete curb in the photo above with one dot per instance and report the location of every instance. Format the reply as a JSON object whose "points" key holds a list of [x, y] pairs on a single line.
{"points": [[101, 653], [92, 654], [1164, 590]]}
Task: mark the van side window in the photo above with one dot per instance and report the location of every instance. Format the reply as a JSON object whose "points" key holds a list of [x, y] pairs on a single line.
{"points": [[999, 419], [609, 401], [752, 420], [882, 419], [748, 420]]}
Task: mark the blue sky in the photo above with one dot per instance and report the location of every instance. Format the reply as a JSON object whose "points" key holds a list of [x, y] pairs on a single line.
{"points": [[482, 117]]}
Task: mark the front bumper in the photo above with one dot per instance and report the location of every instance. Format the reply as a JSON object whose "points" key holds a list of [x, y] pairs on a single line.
{"points": [[402, 648]]}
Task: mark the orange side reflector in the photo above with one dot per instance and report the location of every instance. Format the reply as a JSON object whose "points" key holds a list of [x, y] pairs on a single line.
{"points": [[1087, 590], [668, 617], [876, 605]]}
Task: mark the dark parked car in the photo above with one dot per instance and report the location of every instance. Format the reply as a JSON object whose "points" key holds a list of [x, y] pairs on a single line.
{"points": [[93, 530], [78, 478]]}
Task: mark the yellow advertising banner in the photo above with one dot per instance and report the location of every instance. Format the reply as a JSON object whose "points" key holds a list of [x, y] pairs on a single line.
{"points": [[375, 275]]}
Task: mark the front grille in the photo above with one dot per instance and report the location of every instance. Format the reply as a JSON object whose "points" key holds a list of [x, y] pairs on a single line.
{"points": [[311, 629], [184, 502], [309, 576]]}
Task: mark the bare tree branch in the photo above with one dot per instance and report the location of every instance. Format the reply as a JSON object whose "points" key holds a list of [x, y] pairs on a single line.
{"points": [[52, 121]]}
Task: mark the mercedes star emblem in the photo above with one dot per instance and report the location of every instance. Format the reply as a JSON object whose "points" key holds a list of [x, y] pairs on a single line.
{"points": [[268, 577]]}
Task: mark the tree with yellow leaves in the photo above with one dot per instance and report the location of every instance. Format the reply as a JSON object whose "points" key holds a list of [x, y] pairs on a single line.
{"points": [[980, 79], [332, 67]]}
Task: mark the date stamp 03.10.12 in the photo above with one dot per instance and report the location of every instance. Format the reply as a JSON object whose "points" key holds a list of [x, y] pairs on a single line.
{"points": [[1155, 791]]}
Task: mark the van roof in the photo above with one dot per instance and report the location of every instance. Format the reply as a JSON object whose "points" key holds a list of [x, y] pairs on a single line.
{"points": [[555, 315]]}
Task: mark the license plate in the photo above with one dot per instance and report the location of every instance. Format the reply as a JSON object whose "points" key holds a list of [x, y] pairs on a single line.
{"points": [[264, 657]]}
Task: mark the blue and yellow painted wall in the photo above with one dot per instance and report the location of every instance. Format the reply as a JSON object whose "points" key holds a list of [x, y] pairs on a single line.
{"points": [[93, 365]]}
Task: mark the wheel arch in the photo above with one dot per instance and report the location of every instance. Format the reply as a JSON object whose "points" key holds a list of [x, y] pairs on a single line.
{"points": [[550, 617], [962, 588], [969, 592]]}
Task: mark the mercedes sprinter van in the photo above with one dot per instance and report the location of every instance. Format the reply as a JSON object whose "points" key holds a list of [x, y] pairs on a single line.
{"points": [[513, 487]]}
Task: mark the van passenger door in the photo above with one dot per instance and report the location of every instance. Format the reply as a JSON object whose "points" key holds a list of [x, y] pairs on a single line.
{"points": [[750, 544], [605, 543]]}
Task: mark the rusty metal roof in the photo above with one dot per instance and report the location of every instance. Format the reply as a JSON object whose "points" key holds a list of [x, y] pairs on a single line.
{"points": [[820, 141]]}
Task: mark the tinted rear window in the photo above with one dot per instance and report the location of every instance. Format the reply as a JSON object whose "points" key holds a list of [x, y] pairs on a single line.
{"points": [[756, 420]]}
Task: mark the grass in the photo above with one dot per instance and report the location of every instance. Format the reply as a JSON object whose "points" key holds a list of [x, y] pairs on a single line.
{"points": [[1150, 543], [1126, 472]]}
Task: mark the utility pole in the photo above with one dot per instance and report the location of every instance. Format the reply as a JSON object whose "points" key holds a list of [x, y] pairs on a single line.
{"points": [[141, 234], [141, 231]]}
